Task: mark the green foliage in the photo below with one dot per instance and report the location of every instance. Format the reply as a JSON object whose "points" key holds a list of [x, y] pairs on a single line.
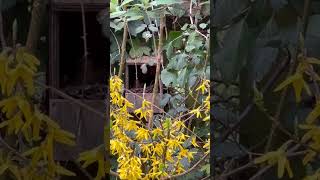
{"points": [[185, 51], [262, 51]]}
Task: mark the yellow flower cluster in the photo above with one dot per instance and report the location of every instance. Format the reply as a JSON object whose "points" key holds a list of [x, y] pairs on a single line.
{"points": [[22, 117], [144, 153]]}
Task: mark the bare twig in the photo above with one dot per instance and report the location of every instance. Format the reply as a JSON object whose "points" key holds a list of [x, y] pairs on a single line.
{"points": [[191, 169], [76, 101], [291, 71], [251, 164], [266, 87], [157, 77], [11, 149], [235, 171], [123, 49], [85, 49], [190, 12]]}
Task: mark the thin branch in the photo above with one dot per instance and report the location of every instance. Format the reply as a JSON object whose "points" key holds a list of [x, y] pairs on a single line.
{"points": [[159, 60], [190, 12], [11, 149], [250, 164], [123, 49], [191, 169], [85, 49], [235, 171], [266, 87], [76, 101], [263, 170], [291, 71]]}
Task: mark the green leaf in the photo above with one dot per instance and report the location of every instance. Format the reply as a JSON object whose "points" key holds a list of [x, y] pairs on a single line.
{"points": [[169, 50], [137, 52], [125, 2], [189, 48], [134, 18], [206, 168], [224, 115], [152, 28], [195, 40], [165, 99], [174, 41], [117, 14], [233, 55], [177, 10], [192, 81], [203, 25], [113, 6], [165, 2], [225, 10], [184, 27], [262, 60], [136, 27], [168, 77], [117, 26], [181, 80]]}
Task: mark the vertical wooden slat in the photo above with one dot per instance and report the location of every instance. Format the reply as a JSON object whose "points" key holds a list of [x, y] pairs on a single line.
{"points": [[64, 112], [67, 115], [53, 50]]}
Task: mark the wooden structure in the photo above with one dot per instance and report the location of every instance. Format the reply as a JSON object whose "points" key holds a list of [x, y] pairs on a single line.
{"points": [[87, 126], [136, 93]]}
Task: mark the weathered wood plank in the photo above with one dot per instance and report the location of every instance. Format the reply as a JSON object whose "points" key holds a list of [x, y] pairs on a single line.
{"points": [[89, 133], [74, 5], [142, 60]]}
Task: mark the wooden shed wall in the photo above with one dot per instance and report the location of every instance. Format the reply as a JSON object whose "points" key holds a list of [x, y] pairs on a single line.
{"points": [[89, 133]]}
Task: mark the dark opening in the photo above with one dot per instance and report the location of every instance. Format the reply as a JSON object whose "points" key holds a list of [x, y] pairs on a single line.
{"points": [[148, 78], [71, 52]]}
